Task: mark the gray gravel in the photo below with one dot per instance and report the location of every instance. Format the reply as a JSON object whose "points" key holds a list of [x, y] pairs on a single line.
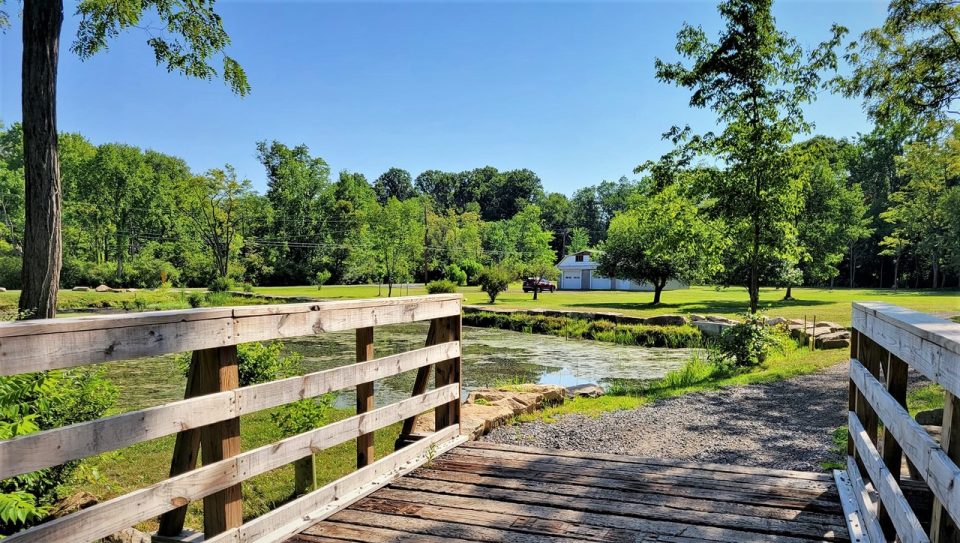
{"points": [[785, 425]]}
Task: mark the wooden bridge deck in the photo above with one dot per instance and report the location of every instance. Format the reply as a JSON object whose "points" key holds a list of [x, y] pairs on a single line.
{"points": [[487, 492]]}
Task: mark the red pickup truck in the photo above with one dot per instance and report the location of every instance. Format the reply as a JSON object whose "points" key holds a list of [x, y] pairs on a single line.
{"points": [[531, 283]]}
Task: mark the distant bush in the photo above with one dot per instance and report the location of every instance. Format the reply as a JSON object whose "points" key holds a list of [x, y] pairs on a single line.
{"points": [[145, 271], [248, 287], [493, 281], [473, 269], [217, 299], [598, 330], [321, 278], [10, 266], [455, 274], [441, 287], [195, 299], [220, 284]]}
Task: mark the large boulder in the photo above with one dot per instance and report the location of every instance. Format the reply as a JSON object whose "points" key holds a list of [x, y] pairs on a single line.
{"points": [[694, 317], [722, 320], [81, 289], [930, 417], [833, 340], [708, 328], [666, 320], [103, 288], [585, 391], [775, 321]]}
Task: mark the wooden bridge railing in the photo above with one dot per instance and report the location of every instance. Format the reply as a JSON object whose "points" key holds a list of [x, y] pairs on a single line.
{"points": [[886, 341], [208, 420]]}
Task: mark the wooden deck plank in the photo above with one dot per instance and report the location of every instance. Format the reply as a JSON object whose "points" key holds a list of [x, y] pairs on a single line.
{"points": [[680, 474], [607, 520], [622, 495], [481, 492], [729, 468], [653, 484], [636, 509]]}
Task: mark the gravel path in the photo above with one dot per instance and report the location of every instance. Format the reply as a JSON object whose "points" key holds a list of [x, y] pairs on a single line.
{"points": [[786, 425]]}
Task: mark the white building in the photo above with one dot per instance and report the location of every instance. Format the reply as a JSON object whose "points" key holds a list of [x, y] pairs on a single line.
{"points": [[579, 272]]}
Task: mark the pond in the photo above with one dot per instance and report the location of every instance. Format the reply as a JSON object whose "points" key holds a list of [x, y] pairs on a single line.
{"points": [[495, 357], [491, 357]]}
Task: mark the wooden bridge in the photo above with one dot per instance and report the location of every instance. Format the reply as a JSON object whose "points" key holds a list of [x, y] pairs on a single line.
{"points": [[435, 487]]}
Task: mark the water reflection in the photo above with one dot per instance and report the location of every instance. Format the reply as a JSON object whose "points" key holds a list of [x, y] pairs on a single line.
{"points": [[492, 357]]}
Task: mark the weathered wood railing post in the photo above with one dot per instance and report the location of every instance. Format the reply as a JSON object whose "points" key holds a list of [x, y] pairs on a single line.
{"points": [[365, 450], [942, 526], [224, 509], [211, 370], [186, 451], [448, 373]]}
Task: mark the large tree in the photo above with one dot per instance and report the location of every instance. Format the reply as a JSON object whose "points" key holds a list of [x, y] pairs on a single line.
{"points": [[216, 205], [910, 65], [394, 183], [662, 237], [834, 216], [300, 192], [195, 36], [756, 79]]}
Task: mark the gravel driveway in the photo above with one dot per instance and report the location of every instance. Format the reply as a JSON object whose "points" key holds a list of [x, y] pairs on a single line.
{"points": [[786, 425]]}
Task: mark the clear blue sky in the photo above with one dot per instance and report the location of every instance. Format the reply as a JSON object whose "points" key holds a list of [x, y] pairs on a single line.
{"points": [[565, 89]]}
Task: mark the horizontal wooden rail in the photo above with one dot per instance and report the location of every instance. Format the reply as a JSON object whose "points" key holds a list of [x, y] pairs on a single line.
{"points": [[926, 343], [908, 526], [292, 517], [114, 515], [53, 447], [930, 459], [30, 346]]}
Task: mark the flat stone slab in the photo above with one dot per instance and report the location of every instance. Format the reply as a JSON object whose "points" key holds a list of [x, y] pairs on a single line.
{"points": [[487, 408], [585, 391]]}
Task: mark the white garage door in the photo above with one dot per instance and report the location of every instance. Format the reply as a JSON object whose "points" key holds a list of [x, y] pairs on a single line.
{"points": [[570, 280]]}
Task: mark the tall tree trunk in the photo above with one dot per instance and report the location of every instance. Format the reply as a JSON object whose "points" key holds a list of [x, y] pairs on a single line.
{"points": [[657, 289], [40, 277], [789, 294]]}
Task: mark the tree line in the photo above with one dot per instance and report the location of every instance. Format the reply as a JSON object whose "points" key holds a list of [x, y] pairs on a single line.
{"points": [[746, 204]]}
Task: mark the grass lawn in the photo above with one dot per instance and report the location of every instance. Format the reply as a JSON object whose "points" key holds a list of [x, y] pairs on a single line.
{"points": [[69, 302], [825, 304]]}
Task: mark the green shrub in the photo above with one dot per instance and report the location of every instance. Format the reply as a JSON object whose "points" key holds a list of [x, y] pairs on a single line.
{"points": [[493, 281], [303, 416], [217, 299], [10, 266], [248, 287], [139, 303], [40, 401], [455, 274], [145, 271], [321, 278], [220, 284], [195, 299], [258, 362], [473, 269], [441, 287], [746, 344]]}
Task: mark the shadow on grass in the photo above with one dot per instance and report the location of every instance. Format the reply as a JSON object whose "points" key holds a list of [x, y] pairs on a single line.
{"points": [[704, 306]]}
